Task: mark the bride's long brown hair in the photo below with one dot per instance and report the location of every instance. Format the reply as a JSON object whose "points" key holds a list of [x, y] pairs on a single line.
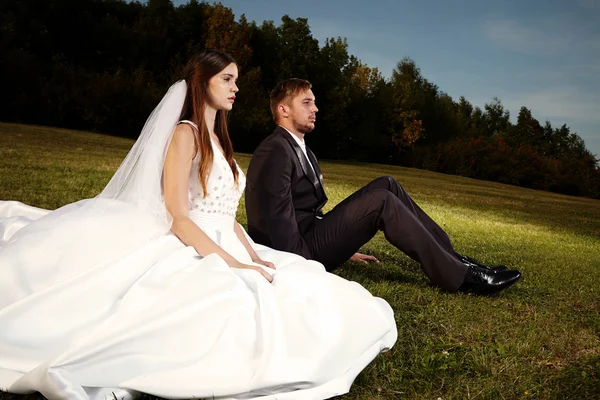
{"points": [[198, 71]]}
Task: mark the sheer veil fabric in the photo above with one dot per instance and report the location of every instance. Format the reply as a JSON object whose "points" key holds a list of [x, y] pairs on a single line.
{"points": [[138, 181], [98, 298]]}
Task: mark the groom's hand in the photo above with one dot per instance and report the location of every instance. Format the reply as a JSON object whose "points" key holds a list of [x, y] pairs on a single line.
{"points": [[363, 258]]}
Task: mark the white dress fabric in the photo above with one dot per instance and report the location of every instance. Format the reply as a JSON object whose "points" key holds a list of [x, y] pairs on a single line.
{"points": [[96, 306]]}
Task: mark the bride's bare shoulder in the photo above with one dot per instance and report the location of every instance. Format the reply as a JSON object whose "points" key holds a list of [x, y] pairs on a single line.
{"points": [[183, 141]]}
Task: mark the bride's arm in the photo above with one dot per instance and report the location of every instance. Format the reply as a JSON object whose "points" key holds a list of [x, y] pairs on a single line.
{"points": [[242, 238], [178, 164], [239, 231]]}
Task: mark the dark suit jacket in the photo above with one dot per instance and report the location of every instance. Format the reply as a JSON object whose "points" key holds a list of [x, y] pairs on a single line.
{"points": [[283, 194]]}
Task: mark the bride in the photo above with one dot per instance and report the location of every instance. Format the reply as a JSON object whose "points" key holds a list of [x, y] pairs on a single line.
{"points": [[154, 287]]}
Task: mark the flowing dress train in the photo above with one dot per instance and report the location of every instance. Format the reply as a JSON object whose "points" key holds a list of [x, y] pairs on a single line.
{"points": [[95, 299]]}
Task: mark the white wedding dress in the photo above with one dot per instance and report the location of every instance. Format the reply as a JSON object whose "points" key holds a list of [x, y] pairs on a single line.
{"points": [[93, 304]]}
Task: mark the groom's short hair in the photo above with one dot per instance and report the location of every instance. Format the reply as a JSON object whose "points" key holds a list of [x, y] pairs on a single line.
{"points": [[286, 90]]}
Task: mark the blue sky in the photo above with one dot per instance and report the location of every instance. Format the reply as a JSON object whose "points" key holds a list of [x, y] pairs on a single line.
{"points": [[542, 54]]}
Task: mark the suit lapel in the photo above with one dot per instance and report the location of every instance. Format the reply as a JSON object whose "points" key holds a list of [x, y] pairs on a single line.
{"points": [[315, 164], [313, 174]]}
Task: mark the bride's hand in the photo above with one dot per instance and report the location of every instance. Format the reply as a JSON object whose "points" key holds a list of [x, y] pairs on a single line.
{"points": [[260, 261], [237, 264]]}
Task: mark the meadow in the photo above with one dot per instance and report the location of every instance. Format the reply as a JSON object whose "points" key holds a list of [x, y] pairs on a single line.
{"points": [[539, 339]]}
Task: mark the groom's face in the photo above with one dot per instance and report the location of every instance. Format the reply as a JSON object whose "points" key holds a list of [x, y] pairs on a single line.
{"points": [[302, 112]]}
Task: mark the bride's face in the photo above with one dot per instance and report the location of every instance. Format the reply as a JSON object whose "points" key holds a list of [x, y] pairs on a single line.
{"points": [[222, 88]]}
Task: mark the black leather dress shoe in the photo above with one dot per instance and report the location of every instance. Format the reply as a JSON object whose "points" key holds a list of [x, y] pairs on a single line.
{"points": [[482, 281], [471, 262]]}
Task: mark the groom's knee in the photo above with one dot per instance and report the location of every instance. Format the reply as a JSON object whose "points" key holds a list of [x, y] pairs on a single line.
{"points": [[388, 182], [376, 200]]}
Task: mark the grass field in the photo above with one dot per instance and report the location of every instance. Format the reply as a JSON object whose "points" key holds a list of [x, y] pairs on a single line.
{"points": [[539, 339]]}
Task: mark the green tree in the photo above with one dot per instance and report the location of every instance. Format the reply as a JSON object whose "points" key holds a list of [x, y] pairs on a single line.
{"points": [[464, 117], [332, 89], [496, 118], [527, 131], [298, 50], [365, 138]]}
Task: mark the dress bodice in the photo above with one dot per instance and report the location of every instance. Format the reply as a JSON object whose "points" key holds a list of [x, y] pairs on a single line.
{"points": [[222, 192]]}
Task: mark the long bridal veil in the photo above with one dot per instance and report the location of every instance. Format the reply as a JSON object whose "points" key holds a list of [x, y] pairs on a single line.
{"points": [[129, 212], [138, 179]]}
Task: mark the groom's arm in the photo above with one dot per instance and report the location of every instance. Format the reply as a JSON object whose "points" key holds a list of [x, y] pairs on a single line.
{"points": [[277, 205]]}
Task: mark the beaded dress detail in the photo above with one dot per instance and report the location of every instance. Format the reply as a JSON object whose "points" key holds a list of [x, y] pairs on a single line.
{"points": [[223, 194]]}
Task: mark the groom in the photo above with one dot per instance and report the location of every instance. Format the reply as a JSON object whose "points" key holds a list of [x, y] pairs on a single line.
{"points": [[285, 195]]}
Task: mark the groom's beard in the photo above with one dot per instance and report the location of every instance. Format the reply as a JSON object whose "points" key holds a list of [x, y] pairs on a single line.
{"points": [[304, 128]]}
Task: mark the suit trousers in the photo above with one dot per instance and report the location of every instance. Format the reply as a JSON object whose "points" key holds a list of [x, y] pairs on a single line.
{"points": [[385, 206]]}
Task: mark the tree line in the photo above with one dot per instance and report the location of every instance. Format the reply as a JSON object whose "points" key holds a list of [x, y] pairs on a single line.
{"points": [[102, 65]]}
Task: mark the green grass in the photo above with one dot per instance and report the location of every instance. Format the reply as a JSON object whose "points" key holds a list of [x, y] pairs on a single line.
{"points": [[539, 339]]}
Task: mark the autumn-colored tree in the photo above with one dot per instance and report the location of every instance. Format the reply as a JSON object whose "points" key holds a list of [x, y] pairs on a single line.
{"points": [[225, 34], [405, 127]]}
